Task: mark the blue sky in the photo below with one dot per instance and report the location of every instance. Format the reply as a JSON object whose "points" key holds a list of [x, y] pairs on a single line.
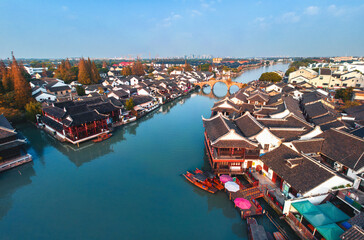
{"points": [[237, 28]]}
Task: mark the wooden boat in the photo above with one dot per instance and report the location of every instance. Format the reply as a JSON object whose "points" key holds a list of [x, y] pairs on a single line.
{"points": [[195, 180], [278, 236], [201, 178], [218, 184], [102, 137], [211, 178], [255, 231], [189, 177]]}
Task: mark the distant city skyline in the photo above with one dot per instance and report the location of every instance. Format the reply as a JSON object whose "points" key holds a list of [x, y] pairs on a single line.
{"points": [[150, 29]]}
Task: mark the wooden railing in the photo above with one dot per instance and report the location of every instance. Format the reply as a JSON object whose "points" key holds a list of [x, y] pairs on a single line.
{"points": [[253, 180], [302, 229], [15, 162]]}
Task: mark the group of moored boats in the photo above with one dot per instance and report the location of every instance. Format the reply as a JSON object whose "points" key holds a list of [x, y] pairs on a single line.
{"points": [[211, 183], [204, 180]]}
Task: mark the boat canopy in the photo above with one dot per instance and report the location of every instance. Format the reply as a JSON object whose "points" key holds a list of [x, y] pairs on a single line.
{"points": [[209, 174], [200, 177]]}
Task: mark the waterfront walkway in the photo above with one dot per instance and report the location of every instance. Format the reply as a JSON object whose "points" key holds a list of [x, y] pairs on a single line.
{"points": [[15, 162]]}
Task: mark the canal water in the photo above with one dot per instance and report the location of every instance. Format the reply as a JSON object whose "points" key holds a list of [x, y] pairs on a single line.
{"points": [[127, 187]]}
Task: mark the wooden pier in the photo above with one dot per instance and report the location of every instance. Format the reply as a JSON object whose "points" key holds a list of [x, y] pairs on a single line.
{"points": [[251, 193], [15, 162]]}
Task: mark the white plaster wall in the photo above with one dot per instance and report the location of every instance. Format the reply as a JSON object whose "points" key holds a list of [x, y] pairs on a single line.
{"points": [[315, 132], [281, 114], [328, 185], [266, 137], [351, 174]]}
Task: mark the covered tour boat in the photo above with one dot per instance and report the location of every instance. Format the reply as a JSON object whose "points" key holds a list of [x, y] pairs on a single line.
{"points": [[199, 180], [211, 178]]}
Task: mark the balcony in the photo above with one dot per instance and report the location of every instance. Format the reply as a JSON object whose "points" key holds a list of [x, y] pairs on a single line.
{"points": [[227, 154], [353, 197]]}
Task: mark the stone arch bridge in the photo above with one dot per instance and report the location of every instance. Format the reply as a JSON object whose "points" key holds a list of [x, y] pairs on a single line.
{"points": [[212, 83]]}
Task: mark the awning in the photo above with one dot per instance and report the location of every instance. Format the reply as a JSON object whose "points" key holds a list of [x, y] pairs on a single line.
{"points": [[323, 218], [333, 212], [305, 207], [317, 219], [330, 231]]}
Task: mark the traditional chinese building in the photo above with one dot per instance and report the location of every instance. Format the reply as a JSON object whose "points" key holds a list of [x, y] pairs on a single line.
{"points": [[79, 121], [228, 150], [12, 152]]}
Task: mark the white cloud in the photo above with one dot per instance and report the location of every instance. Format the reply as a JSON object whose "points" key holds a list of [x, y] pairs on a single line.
{"points": [[290, 17], [195, 12], [263, 22], [205, 5], [312, 10], [334, 10], [167, 22], [208, 6], [64, 8]]}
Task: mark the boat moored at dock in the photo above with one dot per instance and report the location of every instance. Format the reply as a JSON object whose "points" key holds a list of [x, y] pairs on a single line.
{"points": [[200, 181], [255, 231]]}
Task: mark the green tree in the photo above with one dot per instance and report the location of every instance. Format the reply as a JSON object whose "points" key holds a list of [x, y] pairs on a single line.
{"points": [[270, 77], [289, 70], [205, 67], [348, 104], [344, 93], [80, 91], [129, 104], [32, 109], [301, 63]]}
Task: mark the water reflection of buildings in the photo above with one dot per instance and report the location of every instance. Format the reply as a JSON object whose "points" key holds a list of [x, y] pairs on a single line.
{"points": [[90, 151], [12, 180], [167, 107]]}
